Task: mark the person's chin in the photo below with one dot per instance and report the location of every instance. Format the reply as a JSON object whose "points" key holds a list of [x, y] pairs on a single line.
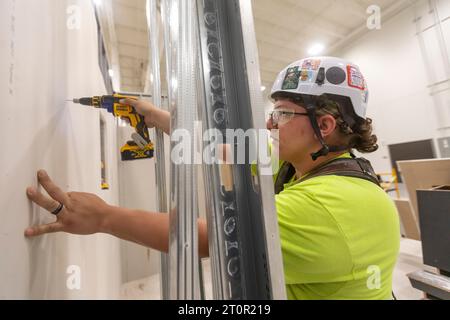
{"points": [[276, 147], [285, 156]]}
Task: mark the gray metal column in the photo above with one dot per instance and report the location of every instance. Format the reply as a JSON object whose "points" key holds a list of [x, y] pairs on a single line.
{"points": [[153, 27], [242, 225]]}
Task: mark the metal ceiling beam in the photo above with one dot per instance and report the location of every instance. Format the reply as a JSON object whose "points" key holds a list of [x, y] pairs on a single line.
{"points": [[125, 59], [126, 4], [127, 26], [131, 51], [138, 46], [130, 35]]}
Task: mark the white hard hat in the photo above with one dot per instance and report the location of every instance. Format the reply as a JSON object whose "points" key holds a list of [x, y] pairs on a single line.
{"points": [[335, 77]]}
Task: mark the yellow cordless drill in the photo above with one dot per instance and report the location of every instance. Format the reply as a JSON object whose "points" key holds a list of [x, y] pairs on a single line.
{"points": [[141, 147]]}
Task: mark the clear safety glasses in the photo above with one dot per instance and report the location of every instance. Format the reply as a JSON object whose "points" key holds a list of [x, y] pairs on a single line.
{"points": [[282, 116]]}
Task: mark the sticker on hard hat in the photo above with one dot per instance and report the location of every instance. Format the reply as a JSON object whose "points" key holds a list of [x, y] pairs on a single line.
{"points": [[306, 75], [365, 96], [291, 80], [311, 64], [336, 75], [355, 78]]}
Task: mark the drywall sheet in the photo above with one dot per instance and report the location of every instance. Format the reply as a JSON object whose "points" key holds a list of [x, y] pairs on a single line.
{"points": [[408, 219], [48, 54], [423, 175]]}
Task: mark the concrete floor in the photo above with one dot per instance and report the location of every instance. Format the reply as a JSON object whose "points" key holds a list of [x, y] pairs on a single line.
{"points": [[409, 260]]}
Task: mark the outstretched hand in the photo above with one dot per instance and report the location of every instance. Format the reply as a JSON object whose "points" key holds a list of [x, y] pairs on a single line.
{"points": [[82, 213]]}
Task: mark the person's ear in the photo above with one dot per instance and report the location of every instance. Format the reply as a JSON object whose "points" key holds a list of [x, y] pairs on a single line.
{"points": [[327, 125]]}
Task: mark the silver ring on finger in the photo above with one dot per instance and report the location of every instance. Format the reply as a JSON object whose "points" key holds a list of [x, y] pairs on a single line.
{"points": [[58, 210]]}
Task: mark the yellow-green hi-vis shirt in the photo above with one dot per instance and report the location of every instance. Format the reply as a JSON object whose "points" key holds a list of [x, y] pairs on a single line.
{"points": [[340, 237]]}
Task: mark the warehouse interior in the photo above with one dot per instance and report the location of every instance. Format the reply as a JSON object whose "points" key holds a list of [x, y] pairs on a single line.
{"points": [[84, 48]]}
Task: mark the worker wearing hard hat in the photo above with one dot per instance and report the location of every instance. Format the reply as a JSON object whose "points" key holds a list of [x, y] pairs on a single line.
{"points": [[339, 231]]}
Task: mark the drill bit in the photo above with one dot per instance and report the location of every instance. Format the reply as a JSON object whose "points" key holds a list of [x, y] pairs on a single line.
{"points": [[86, 102]]}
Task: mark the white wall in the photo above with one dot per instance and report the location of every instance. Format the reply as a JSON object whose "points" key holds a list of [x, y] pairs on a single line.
{"points": [[42, 64], [137, 191], [398, 75]]}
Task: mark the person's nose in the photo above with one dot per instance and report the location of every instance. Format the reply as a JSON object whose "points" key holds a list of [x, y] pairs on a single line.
{"points": [[269, 124]]}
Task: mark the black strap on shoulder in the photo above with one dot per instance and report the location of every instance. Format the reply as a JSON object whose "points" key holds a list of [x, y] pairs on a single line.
{"points": [[355, 168], [285, 174]]}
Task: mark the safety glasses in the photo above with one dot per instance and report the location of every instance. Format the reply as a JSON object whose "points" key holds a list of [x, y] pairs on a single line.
{"points": [[282, 117]]}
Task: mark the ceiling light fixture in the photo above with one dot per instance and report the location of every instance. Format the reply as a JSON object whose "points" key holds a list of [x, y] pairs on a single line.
{"points": [[316, 49]]}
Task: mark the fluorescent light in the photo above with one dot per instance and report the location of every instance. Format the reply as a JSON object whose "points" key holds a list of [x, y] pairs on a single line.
{"points": [[98, 3], [316, 49], [263, 88], [111, 73]]}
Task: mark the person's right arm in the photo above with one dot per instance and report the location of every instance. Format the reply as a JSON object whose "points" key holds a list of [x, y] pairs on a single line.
{"points": [[154, 117], [150, 229]]}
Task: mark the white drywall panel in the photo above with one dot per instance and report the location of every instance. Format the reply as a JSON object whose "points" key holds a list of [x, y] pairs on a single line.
{"points": [[42, 63]]}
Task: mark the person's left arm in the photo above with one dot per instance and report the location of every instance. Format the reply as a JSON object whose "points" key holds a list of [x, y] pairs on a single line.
{"points": [[85, 213]]}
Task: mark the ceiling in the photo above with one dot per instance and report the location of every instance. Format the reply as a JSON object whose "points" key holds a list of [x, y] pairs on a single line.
{"points": [[133, 43], [285, 30]]}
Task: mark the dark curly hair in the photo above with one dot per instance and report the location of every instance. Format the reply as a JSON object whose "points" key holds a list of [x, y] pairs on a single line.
{"points": [[358, 137]]}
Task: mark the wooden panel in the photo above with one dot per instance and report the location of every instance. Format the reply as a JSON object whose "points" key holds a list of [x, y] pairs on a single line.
{"points": [[424, 174], [408, 219]]}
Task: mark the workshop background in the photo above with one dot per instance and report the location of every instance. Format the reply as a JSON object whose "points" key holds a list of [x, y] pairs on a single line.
{"points": [[55, 50]]}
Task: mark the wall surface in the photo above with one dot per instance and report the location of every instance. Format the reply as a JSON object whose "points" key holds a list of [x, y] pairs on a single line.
{"points": [[401, 67], [137, 191], [43, 62]]}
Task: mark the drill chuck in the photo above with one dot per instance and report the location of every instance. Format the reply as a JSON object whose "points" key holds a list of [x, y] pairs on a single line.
{"points": [[92, 102]]}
